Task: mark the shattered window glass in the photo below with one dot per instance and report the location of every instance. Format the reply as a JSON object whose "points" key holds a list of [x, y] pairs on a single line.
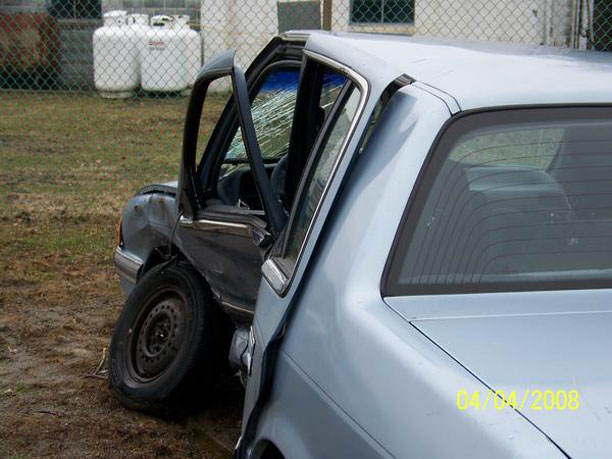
{"points": [[272, 110]]}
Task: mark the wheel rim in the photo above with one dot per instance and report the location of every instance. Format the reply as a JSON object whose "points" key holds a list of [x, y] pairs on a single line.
{"points": [[158, 336]]}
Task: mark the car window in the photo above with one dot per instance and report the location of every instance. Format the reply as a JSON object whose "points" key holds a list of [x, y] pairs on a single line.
{"points": [[513, 200], [272, 109], [319, 175], [330, 89]]}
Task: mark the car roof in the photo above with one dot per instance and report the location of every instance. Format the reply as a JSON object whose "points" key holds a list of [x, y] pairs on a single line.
{"points": [[476, 74]]}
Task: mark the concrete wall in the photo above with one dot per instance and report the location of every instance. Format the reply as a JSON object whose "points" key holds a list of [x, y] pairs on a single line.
{"points": [[232, 24]]}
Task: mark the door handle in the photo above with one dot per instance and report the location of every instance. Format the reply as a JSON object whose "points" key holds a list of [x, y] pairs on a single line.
{"points": [[216, 226]]}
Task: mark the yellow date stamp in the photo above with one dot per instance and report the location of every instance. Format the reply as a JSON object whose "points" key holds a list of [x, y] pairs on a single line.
{"points": [[538, 400]]}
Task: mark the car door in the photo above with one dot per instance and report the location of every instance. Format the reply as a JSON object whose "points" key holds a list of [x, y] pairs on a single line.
{"points": [[229, 212], [333, 153]]}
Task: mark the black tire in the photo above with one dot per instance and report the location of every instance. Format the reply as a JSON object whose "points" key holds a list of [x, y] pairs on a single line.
{"points": [[170, 343]]}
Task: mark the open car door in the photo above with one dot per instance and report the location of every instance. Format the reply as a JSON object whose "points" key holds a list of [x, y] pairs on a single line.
{"points": [[190, 193], [224, 242]]}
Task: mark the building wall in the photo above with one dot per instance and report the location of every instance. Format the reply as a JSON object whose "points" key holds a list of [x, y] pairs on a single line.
{"points": [[233, 24], [520, 21], [341, 12], [230, 24]]}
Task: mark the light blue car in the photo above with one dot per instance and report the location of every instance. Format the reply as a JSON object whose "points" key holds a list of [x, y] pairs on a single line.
{"points": [[404, 245], [443, 287]]}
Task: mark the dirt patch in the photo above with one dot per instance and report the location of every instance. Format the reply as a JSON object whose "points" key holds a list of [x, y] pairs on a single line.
{"points": [[66, 169], [52, 333]]}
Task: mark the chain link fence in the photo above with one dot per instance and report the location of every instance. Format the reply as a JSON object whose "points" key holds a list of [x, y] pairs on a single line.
{"points": [[93, 92], [68, 45]]}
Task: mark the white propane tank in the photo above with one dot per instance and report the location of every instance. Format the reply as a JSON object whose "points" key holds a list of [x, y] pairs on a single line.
{"points": [[139, 20], [139, 25], [162, 57], [171, 57], [115, 49], [193, 48]]}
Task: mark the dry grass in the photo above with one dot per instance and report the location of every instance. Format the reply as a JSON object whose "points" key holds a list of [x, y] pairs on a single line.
{"points": [[67, 166]]}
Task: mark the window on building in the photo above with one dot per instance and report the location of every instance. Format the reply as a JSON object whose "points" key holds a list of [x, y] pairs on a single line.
{"points": [[382, 11], [75, 9]]}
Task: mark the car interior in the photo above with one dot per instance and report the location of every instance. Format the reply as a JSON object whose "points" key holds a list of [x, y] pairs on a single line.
{"points": [[237, 188]]}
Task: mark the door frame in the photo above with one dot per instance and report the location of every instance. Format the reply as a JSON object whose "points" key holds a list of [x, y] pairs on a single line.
{"points": [[273, 269]]}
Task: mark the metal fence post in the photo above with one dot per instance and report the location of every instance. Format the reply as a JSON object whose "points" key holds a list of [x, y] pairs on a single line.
{"points": [[327, 14]]}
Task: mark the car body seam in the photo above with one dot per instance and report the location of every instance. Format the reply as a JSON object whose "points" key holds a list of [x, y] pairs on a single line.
{"points": [[487, 386], [449, 100]]}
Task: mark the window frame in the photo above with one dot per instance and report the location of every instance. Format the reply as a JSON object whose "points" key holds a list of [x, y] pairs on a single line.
{"points": [[420, 192], [382, 21], [275, 270], [345, 92]]}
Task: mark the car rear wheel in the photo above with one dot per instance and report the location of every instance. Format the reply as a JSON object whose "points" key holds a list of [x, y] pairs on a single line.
{"points": [[170, 343]]}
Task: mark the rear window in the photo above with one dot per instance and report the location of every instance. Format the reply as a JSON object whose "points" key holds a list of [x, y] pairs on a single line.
{"points": [[511, 200]]}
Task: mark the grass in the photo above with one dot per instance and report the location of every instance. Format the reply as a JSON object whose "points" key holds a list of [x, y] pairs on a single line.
{"points": [[68, 164]]}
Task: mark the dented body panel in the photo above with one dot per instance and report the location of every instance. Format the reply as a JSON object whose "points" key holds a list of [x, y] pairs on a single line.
{"points": [[148, 222]]}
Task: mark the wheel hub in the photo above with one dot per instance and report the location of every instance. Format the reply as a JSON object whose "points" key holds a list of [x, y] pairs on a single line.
{"points": [[160, 337]]}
